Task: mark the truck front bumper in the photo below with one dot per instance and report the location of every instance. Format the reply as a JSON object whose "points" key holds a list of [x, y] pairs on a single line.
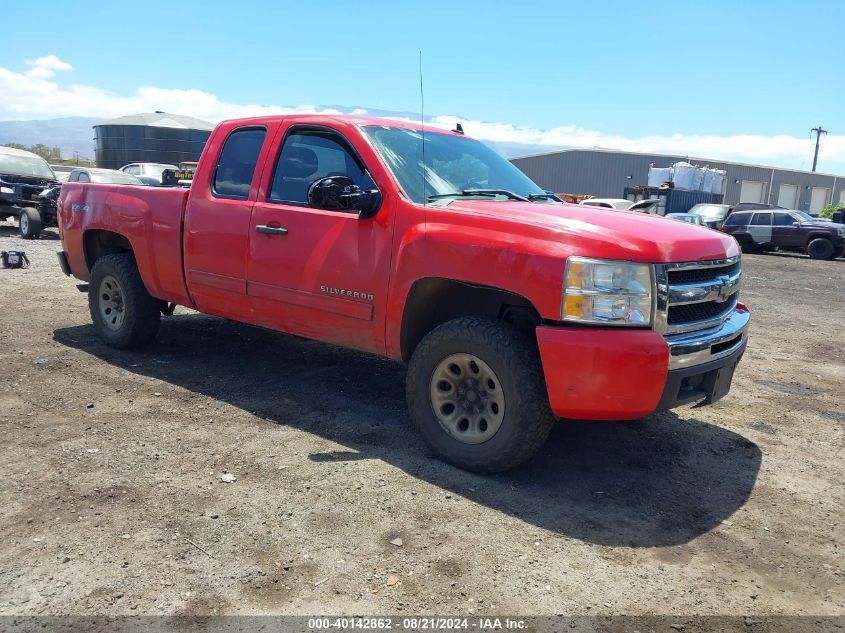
{"points": [[621, 374]]}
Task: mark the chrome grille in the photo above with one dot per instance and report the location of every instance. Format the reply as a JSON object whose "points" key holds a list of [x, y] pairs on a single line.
{"points": [[696, 295], [694, 275], [699, 311]]}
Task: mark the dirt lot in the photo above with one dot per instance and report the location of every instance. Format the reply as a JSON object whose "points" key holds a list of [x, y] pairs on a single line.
{"points": [[113, 503]]}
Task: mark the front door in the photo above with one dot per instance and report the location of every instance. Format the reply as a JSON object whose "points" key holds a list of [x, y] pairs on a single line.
{"points": [[784, 232], [318, 273]]}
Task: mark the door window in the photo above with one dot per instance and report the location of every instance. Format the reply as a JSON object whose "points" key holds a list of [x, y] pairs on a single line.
{"points": [[83, 177], [309, 155], [135, 170], [762, 219], [737, 219], [783, 219], [236, 166]]}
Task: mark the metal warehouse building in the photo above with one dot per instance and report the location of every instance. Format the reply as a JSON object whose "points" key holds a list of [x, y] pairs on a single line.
{"points": [[606, 173], [155, 137]]}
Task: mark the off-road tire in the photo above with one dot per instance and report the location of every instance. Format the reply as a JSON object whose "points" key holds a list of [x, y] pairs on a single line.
{"points": [[141, 316], [820, 248], [515, 359], [29, 223]]}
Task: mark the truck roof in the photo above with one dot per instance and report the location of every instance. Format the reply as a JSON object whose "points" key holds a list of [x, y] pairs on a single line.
{"points": [[354, 119]]}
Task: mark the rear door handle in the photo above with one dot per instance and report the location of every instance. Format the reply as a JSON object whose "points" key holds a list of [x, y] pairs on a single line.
{"points": [[270, 230]]}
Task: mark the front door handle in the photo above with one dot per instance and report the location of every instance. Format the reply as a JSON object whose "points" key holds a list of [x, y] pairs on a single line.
{"points": [[270, 230]]}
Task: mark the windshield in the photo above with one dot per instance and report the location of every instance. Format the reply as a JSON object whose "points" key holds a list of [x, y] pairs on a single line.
{"points": [[116, 178], [803, 217], [452, 164], [25, 166], [710, 211]]}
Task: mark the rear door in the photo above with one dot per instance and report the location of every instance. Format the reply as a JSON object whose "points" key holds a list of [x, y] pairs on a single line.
{"points": [[318, 273], [217, 222], [760, 228]]}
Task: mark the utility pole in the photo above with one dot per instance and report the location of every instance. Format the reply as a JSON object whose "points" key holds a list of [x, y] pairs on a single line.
{"points": [[819, 131]]}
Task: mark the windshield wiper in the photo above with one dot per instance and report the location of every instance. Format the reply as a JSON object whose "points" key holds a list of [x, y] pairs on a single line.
{"points": [[544, 196], [480, 192]]}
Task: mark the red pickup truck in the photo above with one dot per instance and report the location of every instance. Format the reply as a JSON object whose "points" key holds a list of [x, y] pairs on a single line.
{"points": [[425, 246]]}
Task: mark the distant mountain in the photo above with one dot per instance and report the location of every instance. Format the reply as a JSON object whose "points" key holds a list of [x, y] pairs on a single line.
{"points": [[74, 134], [71, 134]]}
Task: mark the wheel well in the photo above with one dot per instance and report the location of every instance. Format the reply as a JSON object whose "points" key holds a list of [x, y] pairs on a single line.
{"points": [[432, 302], [97, 243], [813, 236]]}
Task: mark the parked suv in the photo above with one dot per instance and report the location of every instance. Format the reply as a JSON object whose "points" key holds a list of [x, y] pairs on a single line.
{"points": [[758, 231], [752, 206]]}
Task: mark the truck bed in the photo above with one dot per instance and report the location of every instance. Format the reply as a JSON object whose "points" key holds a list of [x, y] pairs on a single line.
{"points": [[149, 217]]}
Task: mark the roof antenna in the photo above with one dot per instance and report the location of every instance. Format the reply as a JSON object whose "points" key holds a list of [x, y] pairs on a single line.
{"points": [[459, 128], [422, 131]]}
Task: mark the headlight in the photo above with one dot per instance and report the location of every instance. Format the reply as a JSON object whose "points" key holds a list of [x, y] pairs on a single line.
{"points": [[607, 292], [7, 190]]}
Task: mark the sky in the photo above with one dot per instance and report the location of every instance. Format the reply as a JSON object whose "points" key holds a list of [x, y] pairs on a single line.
{"points": [[741, 81]]}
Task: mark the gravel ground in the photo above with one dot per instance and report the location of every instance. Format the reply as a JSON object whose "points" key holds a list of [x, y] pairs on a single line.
{"points": [[113, 500]]}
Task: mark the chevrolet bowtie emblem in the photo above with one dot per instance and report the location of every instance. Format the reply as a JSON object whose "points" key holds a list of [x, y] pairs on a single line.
{"points": [[725, 289]]}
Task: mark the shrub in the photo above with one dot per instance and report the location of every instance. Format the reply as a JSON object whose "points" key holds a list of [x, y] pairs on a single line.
{"points": [[827, 212]]}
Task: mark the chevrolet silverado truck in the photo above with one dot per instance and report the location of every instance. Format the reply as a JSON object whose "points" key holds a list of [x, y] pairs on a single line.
{"points": [[509, 308]]}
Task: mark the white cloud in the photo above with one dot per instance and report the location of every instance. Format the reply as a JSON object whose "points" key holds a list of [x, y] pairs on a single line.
{"points": [[45, 67], [33, 93], [779, 150]]}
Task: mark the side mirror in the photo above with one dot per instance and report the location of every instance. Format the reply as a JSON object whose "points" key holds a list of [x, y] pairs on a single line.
{"points": [[796, 224], [340, 193]]}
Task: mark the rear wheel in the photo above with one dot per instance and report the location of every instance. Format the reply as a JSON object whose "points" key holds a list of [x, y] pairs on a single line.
{"points": [[29, 223], [123, 312], [820, 248], [746, 244], [477, 394]]}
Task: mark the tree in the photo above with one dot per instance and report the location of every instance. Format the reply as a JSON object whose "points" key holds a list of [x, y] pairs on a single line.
{"points": [[50, 154]]}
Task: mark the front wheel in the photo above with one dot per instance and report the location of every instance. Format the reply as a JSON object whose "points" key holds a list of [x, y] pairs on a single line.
{"points": [[123, 312], [477, 393], [820, 248], [29, 223]]}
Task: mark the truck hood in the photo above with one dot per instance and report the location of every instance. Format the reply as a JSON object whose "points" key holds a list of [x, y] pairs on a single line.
{"points": [[628, 235]]}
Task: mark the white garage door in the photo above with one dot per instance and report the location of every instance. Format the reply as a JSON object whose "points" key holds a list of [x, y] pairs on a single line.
{"points": [[818, 199], [751, 191], [788, 196], [842, 196]]}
